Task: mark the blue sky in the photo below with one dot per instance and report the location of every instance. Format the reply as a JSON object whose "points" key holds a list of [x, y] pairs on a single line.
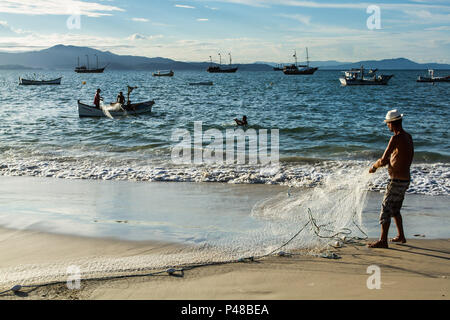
{"points": [[252, 30]]}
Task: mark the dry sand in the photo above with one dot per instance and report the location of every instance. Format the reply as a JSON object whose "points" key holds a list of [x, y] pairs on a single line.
{"points": [[419, 269]]}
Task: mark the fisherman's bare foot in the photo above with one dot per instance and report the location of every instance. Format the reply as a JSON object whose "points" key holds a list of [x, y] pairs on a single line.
{"points": [[398, 240], [378, 244]]}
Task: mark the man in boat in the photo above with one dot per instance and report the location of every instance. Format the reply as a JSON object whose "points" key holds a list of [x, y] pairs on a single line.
{"points": [[121, 98], [242, 122], [98, 98], [398, 157]]}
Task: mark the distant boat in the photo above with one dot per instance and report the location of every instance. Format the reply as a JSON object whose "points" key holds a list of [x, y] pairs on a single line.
{"points": [[360, 77], [85, 110], [87, 69], [163, 73], [279, 67], [432, 78], [205, 83], [296, 69], [220, 69], [26, 82]]}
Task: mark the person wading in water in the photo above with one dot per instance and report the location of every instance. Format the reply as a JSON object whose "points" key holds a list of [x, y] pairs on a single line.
{"points": [[398, 156]]}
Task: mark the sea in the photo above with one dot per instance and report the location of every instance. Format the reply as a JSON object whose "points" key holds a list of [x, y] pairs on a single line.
{"points": [[323, 126]]}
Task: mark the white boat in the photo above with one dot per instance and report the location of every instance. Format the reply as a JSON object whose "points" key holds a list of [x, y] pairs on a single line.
{"points": [[85, 110], [26, 82], [358, 77], [432, 78]]}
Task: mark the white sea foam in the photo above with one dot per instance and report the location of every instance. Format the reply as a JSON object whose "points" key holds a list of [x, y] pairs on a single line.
{"points": [[427, 179]]}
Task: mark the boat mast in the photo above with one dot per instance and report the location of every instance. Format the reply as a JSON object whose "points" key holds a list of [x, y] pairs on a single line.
{"points": [[295, 56], [307, 57], [210, 59], [230, 58], [220, 59], [87, 57], [78, 62], [97, 60]]}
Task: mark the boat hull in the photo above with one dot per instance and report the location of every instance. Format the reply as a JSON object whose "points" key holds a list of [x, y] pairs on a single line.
{"points": [[440, 79], [170, 74], [293, 72], [25, 82], [90, 70], [220, 70], [85, 110]]}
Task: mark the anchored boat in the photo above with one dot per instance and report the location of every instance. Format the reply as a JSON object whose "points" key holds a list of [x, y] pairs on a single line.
{"points": [[26, 82], [87, 69], [163, 73], [432, 78], [219, 68], [359, 76], [296, 69]]}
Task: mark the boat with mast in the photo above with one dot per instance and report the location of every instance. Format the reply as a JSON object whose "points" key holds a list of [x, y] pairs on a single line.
{"points": [[359, 76], [296, 69], [432, 78], [219, 68], [279, 67], [87, 69]]}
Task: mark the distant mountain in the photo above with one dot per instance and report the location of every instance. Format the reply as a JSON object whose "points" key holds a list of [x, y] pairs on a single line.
{"points": [[63, 57], [390, 64], [16, 67]]}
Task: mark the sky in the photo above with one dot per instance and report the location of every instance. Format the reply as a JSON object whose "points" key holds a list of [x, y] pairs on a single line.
{"points": [[251, 30]]}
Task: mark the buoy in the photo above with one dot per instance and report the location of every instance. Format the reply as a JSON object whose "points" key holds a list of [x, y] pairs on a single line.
{"points": [[84, 82]]}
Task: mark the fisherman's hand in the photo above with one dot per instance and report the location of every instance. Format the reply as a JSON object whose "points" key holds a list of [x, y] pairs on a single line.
{"points": [[373, 169]]}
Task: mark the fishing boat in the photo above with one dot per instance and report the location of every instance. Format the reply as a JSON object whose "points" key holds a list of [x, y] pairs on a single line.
{"points": [[219, 68], [359, 76], [279, 67], [85, 110], [163, 73], [26, 82], [296, 69], [205, 83], [87, 69], [432, 78]]}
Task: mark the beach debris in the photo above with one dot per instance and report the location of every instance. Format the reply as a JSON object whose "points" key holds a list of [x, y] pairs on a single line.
{"points": [[330, 255], [284, 254], [419, 235], [248, 259]]}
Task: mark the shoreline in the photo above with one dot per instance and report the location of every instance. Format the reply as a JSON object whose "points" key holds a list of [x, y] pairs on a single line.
{"points": [[415, 270]]}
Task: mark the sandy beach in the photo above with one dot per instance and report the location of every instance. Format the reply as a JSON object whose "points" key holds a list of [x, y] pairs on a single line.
{"points": [[416, 270]]}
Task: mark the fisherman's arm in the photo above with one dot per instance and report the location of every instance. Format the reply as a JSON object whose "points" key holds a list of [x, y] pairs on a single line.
{"points": [[383, 161]]}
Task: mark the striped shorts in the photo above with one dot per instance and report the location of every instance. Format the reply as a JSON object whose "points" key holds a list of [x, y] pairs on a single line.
{"points": [[393, 199]]}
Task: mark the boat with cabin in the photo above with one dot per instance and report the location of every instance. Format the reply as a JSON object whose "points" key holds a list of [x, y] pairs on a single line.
{"points": [[363, 77], [219, 68], [296, 69], [432, 78]]}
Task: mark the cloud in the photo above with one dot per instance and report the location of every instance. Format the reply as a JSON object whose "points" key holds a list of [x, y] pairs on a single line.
{"points": [[140, 19], [184, 6], [137, 36], [202, 19], [299, 17], [56, 7]]}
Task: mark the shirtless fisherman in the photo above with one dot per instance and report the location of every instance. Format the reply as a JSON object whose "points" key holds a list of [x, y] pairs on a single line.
{"points": [[398, 156]]}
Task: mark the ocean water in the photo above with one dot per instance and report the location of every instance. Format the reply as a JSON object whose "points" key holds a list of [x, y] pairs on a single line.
{"points": [[324, 128]]}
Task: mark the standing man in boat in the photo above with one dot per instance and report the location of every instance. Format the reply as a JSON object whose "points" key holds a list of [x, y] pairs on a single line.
{"points": [[398, 156], [97, 99], [121, 98]]}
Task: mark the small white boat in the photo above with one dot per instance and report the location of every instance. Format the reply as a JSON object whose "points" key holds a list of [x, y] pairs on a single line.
{"points": [[358, 77], [432, 78], [163, 73], [26, 82], [85, 110]]}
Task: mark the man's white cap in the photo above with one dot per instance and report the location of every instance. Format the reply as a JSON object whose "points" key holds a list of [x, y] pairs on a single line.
{"points": [[393, 115]]}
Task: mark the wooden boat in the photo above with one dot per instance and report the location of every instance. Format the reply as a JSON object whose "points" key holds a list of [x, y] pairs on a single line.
{"points": [[84, 69], [25, 82], [163, 73], [219, 68], [296, 69], [85, 110], [278, 68], [432, 78], [206, 83], [356, 77]]}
